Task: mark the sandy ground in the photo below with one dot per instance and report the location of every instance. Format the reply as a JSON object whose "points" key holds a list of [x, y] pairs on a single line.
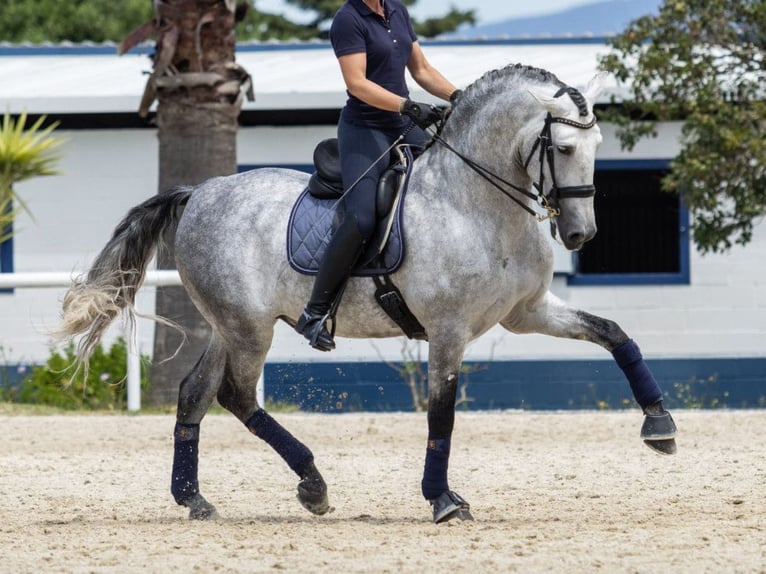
{"points": [[551, 492]]}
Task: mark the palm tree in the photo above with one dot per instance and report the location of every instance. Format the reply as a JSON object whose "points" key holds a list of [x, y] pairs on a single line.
{"points": [[24, 154], [199, 89]]}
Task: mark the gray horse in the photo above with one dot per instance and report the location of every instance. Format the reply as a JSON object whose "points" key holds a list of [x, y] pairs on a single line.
{"points": [[518, 148]]}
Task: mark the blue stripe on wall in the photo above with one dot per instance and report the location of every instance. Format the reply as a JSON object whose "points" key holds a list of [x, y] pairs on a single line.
{"points": [[532, 385], [529, 385]]}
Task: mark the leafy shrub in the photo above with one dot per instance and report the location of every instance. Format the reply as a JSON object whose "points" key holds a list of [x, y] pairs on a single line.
{"points": [[56, 384]]}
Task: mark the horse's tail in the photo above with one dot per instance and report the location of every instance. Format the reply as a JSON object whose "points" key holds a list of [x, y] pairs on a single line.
{"points": [[93, 302]]}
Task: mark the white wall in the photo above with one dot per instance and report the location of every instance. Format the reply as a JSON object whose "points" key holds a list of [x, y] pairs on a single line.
{"points": [[721, 314], [104, 173]]}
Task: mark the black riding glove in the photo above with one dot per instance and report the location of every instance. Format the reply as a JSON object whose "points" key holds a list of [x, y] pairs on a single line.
{"points": [[423, 115]]}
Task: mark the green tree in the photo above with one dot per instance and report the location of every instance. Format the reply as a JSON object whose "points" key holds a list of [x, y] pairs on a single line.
{"points": [[24, 153], [74, 20], [703, 62], [324, 10], [107, 20]]}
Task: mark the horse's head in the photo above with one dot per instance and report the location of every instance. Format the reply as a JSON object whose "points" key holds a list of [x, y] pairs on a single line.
{"points": [[562, 157]]}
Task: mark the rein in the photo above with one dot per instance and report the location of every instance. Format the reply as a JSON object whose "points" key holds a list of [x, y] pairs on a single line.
{"points": [[544, 143]]}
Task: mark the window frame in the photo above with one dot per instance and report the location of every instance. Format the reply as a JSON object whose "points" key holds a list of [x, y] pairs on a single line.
{"points": [[682, 277]]}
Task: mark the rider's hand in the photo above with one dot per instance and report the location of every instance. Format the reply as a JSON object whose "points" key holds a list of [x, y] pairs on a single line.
{"points": [[423, 115]]}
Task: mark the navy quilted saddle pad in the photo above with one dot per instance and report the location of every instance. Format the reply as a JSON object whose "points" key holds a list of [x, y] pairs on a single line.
{"points": [[310, 228]]}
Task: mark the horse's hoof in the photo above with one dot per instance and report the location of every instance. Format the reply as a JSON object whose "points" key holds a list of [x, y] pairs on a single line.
{"points": [[658, 427], [312, 493], [659, 430], [666, 446], [450, 505], [200, 509]]}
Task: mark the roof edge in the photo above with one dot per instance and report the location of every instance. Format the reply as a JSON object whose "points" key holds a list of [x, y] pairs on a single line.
{"points": [[92, 49]]}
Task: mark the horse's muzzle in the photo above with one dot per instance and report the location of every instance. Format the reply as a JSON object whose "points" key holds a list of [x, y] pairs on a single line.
{"points": [[575, 239]]}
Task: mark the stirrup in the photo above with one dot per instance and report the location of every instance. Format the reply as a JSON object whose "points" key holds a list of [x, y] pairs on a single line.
{"points": [[314, 328]]}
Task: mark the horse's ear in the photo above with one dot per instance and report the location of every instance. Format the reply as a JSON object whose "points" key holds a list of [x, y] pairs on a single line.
{"points": [[556, 106], [595, 87]]}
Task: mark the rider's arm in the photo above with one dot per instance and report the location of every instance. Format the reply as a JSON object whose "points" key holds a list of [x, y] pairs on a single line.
{"points": [[428, 77], [354, 69]]}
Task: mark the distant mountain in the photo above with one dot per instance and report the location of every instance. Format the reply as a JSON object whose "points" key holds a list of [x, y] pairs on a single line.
{"points": [[604, 18]]}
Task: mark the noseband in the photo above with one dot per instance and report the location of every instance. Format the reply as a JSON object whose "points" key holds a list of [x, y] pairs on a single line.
{"points": [[544, 146]]}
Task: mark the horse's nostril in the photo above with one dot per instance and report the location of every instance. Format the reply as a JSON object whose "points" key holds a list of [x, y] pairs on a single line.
{"points": [[576, 238]]}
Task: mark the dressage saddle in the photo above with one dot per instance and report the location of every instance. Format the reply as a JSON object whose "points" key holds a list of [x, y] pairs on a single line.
{"points": [[326, 184], [326, 181]]}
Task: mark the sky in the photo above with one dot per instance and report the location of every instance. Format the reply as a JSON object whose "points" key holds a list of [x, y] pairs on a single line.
{"points": [[485, 10]]}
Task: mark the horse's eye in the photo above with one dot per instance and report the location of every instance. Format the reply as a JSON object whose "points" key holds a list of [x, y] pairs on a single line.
{"points": [[564, 150]]}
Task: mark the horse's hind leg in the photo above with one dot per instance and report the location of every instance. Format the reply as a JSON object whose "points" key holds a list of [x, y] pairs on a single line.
{"points": [[237, 394], [556, 318], [195, 396]]}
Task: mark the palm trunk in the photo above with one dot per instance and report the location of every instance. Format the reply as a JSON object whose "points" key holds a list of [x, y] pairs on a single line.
{"points": [[196, 142], [199, 89]]}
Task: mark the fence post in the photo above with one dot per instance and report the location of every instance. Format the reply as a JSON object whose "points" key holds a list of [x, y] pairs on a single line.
{"points": [[133, 366]]}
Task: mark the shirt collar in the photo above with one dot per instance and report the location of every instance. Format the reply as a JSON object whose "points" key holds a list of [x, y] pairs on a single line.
{"points": [[364, 10]]}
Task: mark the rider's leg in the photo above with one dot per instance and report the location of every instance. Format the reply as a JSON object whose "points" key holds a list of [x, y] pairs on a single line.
{"points": [[344, 249], [359, 148]]}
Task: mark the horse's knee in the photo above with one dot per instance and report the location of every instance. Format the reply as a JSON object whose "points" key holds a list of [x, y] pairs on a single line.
{"points": [[605, 332]]}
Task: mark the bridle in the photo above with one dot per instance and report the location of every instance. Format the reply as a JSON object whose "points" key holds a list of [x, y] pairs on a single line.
{"points": [[545, 147]]}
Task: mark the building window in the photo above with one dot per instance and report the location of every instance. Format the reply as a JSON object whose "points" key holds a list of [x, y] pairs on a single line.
{"points": [[642, 234]]}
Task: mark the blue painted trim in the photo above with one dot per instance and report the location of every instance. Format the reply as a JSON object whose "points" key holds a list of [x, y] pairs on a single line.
{"points": [[6, 258], [148, 47], [307, 167], [530, 385], [68, 49], [569, 41], [632, 164], [683, 277]]}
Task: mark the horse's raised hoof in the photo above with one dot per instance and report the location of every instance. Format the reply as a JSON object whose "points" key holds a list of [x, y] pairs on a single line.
{"points": [[200, 509], [659, 430], [450, 505], [312, 492], [666, 446]]}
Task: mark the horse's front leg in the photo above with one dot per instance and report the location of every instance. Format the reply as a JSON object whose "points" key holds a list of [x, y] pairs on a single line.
{"points": [[554, 317], [445, 357]]}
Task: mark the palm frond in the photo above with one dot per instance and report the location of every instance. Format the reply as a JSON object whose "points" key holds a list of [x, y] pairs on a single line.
{"points": [[25, 152]]}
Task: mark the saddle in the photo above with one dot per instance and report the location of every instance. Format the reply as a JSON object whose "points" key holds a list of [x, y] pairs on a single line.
{"points": [[311, 225], [311, 220]]}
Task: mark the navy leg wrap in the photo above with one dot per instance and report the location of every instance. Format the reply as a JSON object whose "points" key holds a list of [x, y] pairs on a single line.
{"points": [[184, 483], [297, 456], [434, 481], [642, 383]]}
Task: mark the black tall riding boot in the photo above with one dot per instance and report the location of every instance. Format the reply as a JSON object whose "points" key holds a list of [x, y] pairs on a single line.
{"points": [[345, 247]]}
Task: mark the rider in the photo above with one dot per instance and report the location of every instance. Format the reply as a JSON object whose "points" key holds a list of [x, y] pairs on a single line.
{"points": [[374, 42]]}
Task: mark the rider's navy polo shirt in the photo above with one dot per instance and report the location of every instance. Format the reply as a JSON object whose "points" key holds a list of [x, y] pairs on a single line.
{"points": [[388, 45]]}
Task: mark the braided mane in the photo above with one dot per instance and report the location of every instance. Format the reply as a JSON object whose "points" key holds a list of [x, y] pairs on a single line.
{"points": [[500, 79]]}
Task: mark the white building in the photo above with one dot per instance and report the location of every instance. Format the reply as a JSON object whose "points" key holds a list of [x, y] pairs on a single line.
{"points": [[694, 317]]}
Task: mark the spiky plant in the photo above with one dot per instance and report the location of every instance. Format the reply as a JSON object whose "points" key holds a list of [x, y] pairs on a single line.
{"points": [[24, 154]]}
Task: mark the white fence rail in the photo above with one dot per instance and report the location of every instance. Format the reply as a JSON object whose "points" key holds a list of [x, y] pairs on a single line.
{"points": [[154, 278]]}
